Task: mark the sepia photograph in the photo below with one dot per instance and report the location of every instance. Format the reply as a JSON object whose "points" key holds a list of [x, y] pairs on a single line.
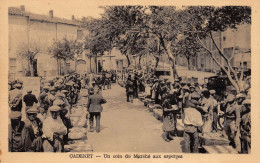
{"points": [[129, 78]]}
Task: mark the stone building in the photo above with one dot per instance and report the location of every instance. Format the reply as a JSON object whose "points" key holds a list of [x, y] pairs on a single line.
{"points": [[239, 40], [41, 30]]}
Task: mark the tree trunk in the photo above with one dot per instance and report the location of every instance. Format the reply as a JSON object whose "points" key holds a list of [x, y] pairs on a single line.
{"points": [[139, 61], [96, 66], [58, 67], [128, 60], [65, 67], [31, 68], [171, 57], [157, 61], [188, 59]]}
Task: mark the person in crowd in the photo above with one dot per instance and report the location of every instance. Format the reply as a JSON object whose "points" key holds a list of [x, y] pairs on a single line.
{"points": [[245, 127], [129, 90], [33, 126], [43, 99], [94, 108], [192, 121], [17, 133], [15, 98], [215, 110], [136, 83], [51, 95], [232, 112], [207, 111], [168, 119], [53, 131], [29, 99]]}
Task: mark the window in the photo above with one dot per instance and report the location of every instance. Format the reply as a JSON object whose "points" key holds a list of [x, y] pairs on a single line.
{"points": [[80, 35], [12, 64], [68, 66], [202, 63]]}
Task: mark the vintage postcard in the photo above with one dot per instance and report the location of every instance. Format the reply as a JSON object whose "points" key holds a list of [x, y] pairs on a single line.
{"points": [[129, 81]]}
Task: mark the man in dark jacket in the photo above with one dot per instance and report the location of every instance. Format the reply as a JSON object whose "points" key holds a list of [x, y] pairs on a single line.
{"points": [[94, 108], [29, 100]]}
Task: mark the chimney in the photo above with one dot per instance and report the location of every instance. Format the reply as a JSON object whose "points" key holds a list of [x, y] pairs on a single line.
{"points": [[72, 17], [22, 8], [51, 13]]}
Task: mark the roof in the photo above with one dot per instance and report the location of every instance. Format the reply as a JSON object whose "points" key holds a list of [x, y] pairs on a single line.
{"points": [[44, 18]]}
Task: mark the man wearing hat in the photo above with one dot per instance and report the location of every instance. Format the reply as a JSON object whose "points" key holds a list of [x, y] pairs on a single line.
{"points": [[43, 98], [245, 127], [34, 128], [192, 121], [129, 90], [53, 131], [17, 134], [215, 110], [15, 98], [207, 105], [94, 108], [64, 115], [232, 113], [29, 99], [51, 95]]}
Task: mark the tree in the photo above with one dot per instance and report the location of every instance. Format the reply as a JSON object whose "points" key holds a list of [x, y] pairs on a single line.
{"points": [[28, 52], [185, 47], [201, 22], [64, 50], [115, 30]]}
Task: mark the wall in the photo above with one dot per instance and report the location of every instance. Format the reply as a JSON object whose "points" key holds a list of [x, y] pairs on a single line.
{"points": [[42, 34], [18, 32]]}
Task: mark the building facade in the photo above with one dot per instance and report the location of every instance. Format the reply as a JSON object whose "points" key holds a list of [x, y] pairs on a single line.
{"points": [[41, 30], [239, 40]]}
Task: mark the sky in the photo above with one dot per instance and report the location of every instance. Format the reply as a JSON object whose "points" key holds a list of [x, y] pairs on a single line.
{"points": [[62, 9]]}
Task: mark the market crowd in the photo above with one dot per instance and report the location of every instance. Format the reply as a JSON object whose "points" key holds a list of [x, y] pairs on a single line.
{"points": [[198, 108], [47, 122]]}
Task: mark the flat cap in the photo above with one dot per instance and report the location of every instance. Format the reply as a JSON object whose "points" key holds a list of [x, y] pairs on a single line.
{"points": [[32, 110], [195, 95], [241, 95], [58, 102], [59, 94], [46, 87], [247, 101], [185, 87], [54, 108], [64, 91], [212, 91], [15, 115], [18, 85], [29, 91], [52, 89], [230, 97]]}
